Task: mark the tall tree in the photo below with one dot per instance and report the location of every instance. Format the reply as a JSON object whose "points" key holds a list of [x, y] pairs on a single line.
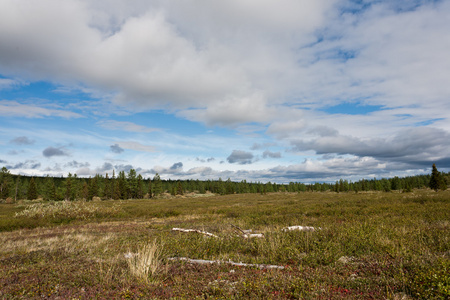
{"points": [[437, 181], [157, 185], [18, 183], [49, 189], [32, 192], [85, 191], [132, 184], [150, 188], [108, 189], [122, 185], [115, 187], [140, 187], [4, 183], [179, 188], [93, 187], [69, 195]]}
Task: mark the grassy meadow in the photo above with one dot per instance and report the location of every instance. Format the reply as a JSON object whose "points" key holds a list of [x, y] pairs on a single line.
{"points": [[372, 245]]}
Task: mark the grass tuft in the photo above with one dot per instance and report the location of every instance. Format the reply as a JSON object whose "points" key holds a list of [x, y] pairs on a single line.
{"points": [[146, 262]]}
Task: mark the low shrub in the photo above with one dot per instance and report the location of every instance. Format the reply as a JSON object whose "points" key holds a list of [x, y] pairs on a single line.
{"points": [[66, 210]]}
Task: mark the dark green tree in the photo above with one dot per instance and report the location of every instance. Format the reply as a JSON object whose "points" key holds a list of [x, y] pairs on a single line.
{"points": [[132, 184], [85, 191], [437, 181], [150, 188], [32, 192], [179, 188], [16, 191], [140, 187], [71, 184], [108, 187], [201, 187], [115, 191], [49, 189], [157, 185], [122, 185], [93, 187], [5, 183]]}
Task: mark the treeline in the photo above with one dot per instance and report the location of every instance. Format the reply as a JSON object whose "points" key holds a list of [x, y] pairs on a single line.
{"points": [[133, 186]]}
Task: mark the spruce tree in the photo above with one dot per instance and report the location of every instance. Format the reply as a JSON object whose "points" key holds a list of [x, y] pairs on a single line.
{"points": [[32, 190], [437, 181], [18, 183], [140, 188], [85, 191], [157, 185], [150, 188], [49, 189], [179, 188], [122, 185], [4, 183], [132, 184]]}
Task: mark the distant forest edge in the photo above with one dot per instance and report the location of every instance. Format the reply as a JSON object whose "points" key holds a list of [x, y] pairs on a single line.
{"points": [[133, 186]]}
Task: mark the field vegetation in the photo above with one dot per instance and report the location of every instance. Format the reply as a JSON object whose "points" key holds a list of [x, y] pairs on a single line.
{"points": [[366, 245]]}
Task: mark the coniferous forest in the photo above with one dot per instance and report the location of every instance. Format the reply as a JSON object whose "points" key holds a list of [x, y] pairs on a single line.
{"points": [[133, 186]]}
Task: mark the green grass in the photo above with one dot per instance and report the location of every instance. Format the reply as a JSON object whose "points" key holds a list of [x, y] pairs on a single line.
{"points": [[370, 246]]}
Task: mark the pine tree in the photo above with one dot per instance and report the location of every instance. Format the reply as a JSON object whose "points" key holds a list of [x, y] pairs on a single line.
{"points": [[157, 185], [140, 188], [437, 181], [69, 193], [32, 190], [4, 183], [18, 183], [49, 189], [122, 185], [132, 184], [108, 189], [150, 188], [179, 188], [115, 191], [85, 191], [93, 187]]}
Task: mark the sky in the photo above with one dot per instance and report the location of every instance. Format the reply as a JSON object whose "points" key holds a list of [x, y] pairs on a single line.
{"points": [[256, 90]]}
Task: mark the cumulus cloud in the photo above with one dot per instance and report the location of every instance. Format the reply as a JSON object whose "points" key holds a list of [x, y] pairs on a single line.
{"points": [[414, 145], [209, 159], [28, 164], [22, 140], [271, 154], [106, 167], [76, 164], [177, 166], [240, 157], [258, 146], [52, 151], [175, 169], [116, 148]]}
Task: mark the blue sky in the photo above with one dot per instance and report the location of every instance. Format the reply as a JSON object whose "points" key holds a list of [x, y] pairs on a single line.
{"points": [[263, 90]]}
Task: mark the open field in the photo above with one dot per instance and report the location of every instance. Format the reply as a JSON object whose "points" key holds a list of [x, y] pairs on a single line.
{"points": [[369, 246]]}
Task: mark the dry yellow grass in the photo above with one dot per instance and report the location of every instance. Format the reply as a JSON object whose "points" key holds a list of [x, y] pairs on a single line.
{"points": [[146, 261]]}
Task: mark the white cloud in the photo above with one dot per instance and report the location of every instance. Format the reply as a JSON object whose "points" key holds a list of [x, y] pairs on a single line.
{"points": [[22, 140], [52, 151], [15, 109], [240, 157], [125, 126], [136, 146]]}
